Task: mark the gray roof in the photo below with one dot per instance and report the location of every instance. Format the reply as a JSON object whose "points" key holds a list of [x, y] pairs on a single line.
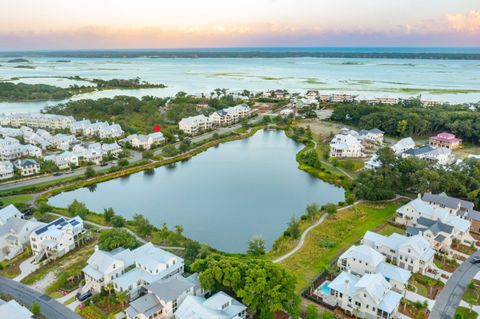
{"points": [[447, 201], [473, 214], [440, 238], [147, 304], [412, 231], [419, 150], [435, 226], [171, 288]]}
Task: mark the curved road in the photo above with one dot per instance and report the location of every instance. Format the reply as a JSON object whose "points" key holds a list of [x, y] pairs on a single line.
{"points": [[49, 307], [449, 298]]}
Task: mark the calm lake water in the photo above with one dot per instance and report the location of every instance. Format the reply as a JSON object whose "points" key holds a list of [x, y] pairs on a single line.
{"points": [[222, 196], [441, 80]]}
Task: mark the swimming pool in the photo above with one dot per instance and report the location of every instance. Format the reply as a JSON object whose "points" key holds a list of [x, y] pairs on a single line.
{"points": [[323, 289]]}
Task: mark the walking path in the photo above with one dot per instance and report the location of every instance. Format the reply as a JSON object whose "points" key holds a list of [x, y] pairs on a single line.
{"points": [[26, 268]]}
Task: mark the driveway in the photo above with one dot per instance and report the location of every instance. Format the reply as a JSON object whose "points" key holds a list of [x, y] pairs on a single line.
{"points": [[26, 268], [449, 298], [49, 307]]}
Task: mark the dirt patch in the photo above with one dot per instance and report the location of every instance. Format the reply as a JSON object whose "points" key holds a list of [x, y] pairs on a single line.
{"points": [[322, 128]]}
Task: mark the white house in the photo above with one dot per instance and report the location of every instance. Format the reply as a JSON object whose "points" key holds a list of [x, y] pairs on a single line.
{"points": [[373, 136], [27, 167], [420, 214], [148, 264], [163, 298], [367, 296], [112, 149], [6, 170], [411, 253], [14, 236], [145, 141], [56, 238], [363, 259], [195, 124], [343, 146], [403, 145], [12, 309], [442, 155], [64, 160], [8, 213], [50, 121], [218, 306]]}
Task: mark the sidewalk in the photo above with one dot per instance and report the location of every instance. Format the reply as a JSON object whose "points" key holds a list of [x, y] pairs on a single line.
{"points": [[26, 268]]}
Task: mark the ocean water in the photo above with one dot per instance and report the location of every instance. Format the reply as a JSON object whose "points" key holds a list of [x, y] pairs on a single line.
{"points": [[455, 81]]}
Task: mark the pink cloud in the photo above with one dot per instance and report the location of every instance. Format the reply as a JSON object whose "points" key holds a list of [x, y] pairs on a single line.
{"points": [[469, 22]]}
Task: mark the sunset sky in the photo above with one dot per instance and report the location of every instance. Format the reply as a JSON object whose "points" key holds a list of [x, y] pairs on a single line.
{"points": [[104, 24]]}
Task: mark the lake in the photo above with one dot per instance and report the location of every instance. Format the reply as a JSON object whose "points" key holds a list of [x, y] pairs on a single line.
{"points": [[443, 80], [221, 197]]}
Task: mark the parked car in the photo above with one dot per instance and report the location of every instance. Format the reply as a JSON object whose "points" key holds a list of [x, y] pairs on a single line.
{"points": [[475, 260], [57, 174], [84, 296]]}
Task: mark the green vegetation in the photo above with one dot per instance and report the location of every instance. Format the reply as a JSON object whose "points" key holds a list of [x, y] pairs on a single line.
{"points": [[329, 239], [397, 176], [411, 119], [114, 238], [472, 293], [11, 268], [425, 286], [12, 92], [261, 285], [256, 246], [465, 313]]}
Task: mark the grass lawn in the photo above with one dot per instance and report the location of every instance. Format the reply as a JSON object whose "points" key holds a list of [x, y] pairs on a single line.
{"points": [[465, 313], [472, 293], [425, 286], [326, 241], [446, 264], [16, 199], [389, 229]]}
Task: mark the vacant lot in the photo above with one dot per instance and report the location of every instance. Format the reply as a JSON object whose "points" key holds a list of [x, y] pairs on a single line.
{"points": [[338, 232]]}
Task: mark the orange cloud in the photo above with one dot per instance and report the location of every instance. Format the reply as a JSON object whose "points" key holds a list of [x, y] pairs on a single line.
{"points": [[469, 22]]}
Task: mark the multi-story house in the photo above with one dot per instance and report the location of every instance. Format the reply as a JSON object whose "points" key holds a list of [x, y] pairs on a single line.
{"points": [[112, 149], [27, 167], [373, 136], [343, 146], [367, 296], [6, 170], [411, 253], [163, 297], [37, 120], [195, 124], [446, 140], [14, 236], [219, 305], [64, 160], [12, 309], [56, 238], [130, 270], [403, 145], [145, 141], [362, 259], [442, 155]]}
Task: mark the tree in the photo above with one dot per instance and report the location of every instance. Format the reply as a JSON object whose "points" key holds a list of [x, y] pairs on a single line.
{"points": [[36, 308], [147, 154], [108, 213], [262, 286], [312, 312], [256, 246], [77, 208], [179, 230], [169, 150], [185, 145], [143, 226], [312, 210], [310, 158], [330, 208], [89, 172], [293, 229], [123, 162], [114, 238], [117, 221]]}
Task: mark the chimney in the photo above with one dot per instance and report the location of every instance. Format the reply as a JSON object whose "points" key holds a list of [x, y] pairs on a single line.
{"points": [[96, 247], [419, 196], [345, 292]]}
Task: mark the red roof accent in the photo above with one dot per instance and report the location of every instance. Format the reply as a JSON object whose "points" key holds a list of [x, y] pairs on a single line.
{"points": [[446, 137]]}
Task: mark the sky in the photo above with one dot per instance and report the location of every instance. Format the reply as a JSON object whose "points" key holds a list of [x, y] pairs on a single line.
{"points": [[122, 24]]}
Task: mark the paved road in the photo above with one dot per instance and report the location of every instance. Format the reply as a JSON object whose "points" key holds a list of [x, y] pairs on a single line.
{"points": [[50, 308], [136, 156], [449, 298]]}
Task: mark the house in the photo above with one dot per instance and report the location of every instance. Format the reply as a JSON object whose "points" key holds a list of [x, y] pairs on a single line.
{"points": [[362, 259], [411, 253], [64, 160], [78, 127], [312, 94], [343, 146], [9, 212], [230, 115], [92, 154], [373, 162], [32, 150], [62, 141], [367, 296], [218, 306], [373, 136], [37, 120], [27, 167], [163, 298], [341, 98], [442, 156], [145, 141], [446, 140], [420, 214], [130, 270], [12, 309], [385, 100], [56, 238], [6, 170], [460, 207], [403, 145], [195, 124], [14, 236], [112, 149], [438, 234]]}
